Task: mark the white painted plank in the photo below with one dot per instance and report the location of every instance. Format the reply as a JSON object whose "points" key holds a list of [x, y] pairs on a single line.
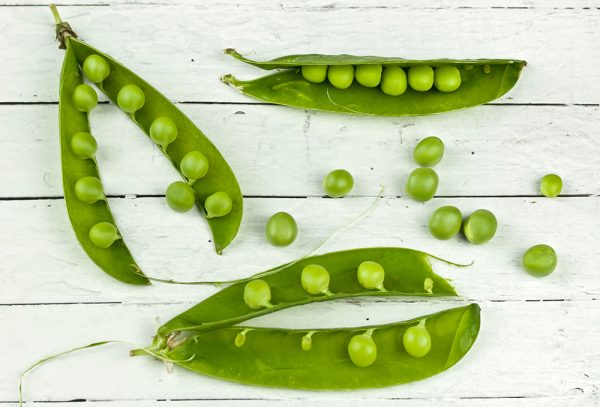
{"points": [[490, 150], [183, 58], [525, 349], [42, 261]]}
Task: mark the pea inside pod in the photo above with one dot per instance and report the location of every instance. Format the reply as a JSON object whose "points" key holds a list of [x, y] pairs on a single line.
{"points": [[385, 86]]}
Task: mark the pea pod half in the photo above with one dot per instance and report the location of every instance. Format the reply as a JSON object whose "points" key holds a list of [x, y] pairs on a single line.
{"points": [[321, 359], [86, 204], [480, 81], [405, 272], [176, 134]]}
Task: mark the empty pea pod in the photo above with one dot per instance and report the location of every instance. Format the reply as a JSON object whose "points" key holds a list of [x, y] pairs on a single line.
{"points": [[383, 86], [216, 190], [326, 359], [87, 207]]}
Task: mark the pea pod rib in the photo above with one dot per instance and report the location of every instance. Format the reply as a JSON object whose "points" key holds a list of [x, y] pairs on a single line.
{"points": [[220, 177], [115, 260], [275, 357], [482, 80], [406, 272]]}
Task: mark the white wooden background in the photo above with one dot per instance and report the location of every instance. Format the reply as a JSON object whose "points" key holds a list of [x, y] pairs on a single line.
{"points": [[539, 337]]}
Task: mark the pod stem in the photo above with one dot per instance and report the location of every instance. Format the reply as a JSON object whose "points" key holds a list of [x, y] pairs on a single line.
{"points": [[63, 29]]}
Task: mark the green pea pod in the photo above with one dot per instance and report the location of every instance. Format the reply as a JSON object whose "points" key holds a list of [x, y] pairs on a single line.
{"points": [[115, 260], [285, 358], [482, 80], [150, 105], [407, 272]]}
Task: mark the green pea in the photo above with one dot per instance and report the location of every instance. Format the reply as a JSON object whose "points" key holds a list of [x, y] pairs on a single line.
{"points": [[95, 68], [84, 145], [420, 77], [362, 350], [429, 151], [480, 227], [314, 73], [445, 222], [371, 275], [89, 189], [281, 229], [194, 165], [218, 205], [340, 76], [422, 184], [417, 341], [85, 98], [551, 185], [163, 131], [131, 98], [540, 260], [393, 81], [103, 234], [368, 75], [338, 183], [180, 196], [447, 78], [315, 279], [257, 294]]}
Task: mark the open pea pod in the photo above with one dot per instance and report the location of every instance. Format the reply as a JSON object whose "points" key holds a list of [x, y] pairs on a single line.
{"points": [[325, 359], [80, 172], [481, 81], [405, 272]]}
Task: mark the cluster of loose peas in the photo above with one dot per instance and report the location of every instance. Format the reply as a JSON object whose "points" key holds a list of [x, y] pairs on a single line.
{"points": [[315, 280], [393, 80], [163, 131]]}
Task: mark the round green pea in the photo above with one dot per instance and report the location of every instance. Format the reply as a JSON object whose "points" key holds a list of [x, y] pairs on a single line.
{"points": [[257, 294], [281, 229], [315, 279], [314, 73], [89, 189], [85, 98], [480, 227], [131, 98], [218, 205], [180, 196], [540, 260], [368, 75], [371, 275], [417, 341], [393, 81], [447, 78], [163, 131], [340, 76], [362, 350], [103, 234], [551, 185], [420, 77], [429, 151], [445, 222], [84, 145], [95, 68], [194, 165], [422, 184], [338, 183]]}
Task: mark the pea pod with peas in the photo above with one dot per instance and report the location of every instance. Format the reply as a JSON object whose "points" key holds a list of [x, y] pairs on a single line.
{"points": [[378, 85]]}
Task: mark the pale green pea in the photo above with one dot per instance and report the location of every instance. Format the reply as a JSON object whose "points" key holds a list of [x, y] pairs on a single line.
{"points": [[194, 165], [551, 185], [89, 189], [95, 68], [281, 229], [393, 81], [480, 227], [315, 279], [540, 260], [371, 275], [368, 75], [314, 73], [417, 341], [257, 294], [362, 350], [420, 77], [429, 151], [163, 131], [421, 184], [340, 76], [131, 98], [445, 222], [447, 78], [85, 98], [338, 183], [103, 234], [180, 196], [218, 205], [306, 343], [84, 145]]}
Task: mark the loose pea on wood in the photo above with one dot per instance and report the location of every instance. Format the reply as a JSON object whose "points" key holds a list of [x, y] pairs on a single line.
{"points": [[540, 260], [281, 229], [480, 227], [338, 183], [421, 184]]}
